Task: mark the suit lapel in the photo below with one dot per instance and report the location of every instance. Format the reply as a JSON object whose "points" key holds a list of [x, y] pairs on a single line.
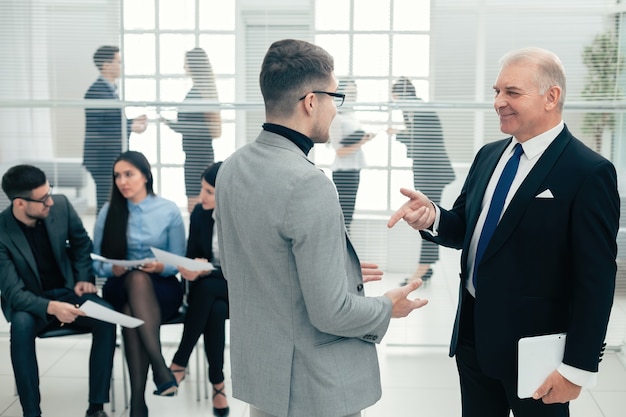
{"points": [[526, 192], [16, 235], [51, 224], [484, 171]]}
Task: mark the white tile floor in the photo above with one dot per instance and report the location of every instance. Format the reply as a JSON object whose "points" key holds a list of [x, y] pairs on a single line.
{"points": [[418, 377]]}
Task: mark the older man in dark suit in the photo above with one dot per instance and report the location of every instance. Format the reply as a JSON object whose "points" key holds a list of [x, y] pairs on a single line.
{"points": [[45, 274], [106, 129], [537, 220]]}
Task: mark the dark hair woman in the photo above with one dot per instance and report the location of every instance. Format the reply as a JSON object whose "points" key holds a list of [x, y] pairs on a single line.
{"points": [[134, 220], [208, 295]]}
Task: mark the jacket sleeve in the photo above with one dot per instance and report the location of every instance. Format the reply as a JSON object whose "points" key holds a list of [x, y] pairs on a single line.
{"points": [[594, 226], [15, 295], [101, 269], [326, 269]]}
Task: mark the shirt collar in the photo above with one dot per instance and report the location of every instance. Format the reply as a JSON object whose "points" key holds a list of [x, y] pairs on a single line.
{"points": [[535, 146], [302, 141], [142, 205]]}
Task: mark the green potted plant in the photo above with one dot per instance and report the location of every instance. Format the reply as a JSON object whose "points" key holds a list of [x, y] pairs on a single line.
{"points": [[604, 64]]}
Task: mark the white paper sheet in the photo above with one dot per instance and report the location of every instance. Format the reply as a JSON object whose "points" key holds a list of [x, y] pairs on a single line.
{"points": [[538, 357], [122, 262], [176, 260], [103, 313]]}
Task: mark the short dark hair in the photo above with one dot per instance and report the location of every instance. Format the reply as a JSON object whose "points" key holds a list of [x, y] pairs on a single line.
{"points": [[21, 180], [290, 69], [210, 174], [104, 54], [404, 88]]}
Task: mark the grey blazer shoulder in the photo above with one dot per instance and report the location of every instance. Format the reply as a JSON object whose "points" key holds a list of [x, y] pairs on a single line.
{"points": [[20, 285], [301, 328]]}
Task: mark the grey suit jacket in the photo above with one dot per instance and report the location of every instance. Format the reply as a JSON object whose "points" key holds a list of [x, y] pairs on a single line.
{"points": [[302, 331], [20, 286]]}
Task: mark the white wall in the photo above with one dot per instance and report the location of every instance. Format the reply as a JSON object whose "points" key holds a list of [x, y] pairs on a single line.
{"points": [[469, 37], [48, 55]]}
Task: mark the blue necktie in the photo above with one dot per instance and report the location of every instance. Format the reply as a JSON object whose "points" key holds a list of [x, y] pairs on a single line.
{"points": [[496, 206]]}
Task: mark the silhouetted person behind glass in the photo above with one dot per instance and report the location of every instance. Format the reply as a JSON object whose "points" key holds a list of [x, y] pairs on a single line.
{"points": [[198, 128], [106, 129], [432, 170], [347, 137]]}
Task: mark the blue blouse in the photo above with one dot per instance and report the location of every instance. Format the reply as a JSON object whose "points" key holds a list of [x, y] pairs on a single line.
{"points": [[156, 222]]}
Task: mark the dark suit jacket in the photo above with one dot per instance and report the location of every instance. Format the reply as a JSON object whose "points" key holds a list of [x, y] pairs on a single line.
{"points": [[20, 286], [103, 129], [200, 242], [423, 138], [194, 127], [550, 265]]}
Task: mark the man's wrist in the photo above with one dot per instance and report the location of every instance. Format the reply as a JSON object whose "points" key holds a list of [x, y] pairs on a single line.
{"points": [[51, 307]]}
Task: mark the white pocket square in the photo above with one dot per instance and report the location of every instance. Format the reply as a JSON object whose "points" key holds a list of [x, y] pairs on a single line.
{"points": [[545, 194]]}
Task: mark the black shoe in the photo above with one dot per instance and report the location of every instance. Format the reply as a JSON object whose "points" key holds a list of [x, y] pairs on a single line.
{"points": [[167, 389], [220, 412], [99, 413]]}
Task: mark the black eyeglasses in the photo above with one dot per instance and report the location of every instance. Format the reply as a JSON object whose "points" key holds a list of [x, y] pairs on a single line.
{"points": [[43, 200], [337, 97]]}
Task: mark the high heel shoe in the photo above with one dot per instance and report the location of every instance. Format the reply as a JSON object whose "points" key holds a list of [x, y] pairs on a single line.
{"points": [[167, 389], [220, 412], [182, 371]]}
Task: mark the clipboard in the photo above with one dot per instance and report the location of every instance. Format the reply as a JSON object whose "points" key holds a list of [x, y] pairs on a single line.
{"points": [[538, 357]]}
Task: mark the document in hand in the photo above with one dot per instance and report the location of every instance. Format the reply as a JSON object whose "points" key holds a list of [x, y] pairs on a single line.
{"points": [[122, 262], [177, 260], [103, 313], [538, 357]]}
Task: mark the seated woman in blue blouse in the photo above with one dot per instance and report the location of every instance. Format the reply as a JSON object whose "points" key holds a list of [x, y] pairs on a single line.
{"points": [[131, 222], [208, 295]]}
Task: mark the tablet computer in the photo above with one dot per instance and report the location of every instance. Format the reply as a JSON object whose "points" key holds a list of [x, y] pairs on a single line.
{"points": [[538, 357]]}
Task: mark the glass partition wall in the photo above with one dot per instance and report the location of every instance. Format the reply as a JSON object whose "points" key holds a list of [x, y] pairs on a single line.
{"points": [[448, 49]]}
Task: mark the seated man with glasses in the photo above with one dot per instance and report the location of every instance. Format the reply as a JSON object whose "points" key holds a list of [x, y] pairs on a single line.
{"points": [[45, 275]]}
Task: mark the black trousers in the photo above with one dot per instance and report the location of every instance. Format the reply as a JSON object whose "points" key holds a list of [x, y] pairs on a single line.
{"points": [[432, 186], [196, 162], [207, 312], [483, 396], [347, 183], [24, 329], [103, 178]]}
